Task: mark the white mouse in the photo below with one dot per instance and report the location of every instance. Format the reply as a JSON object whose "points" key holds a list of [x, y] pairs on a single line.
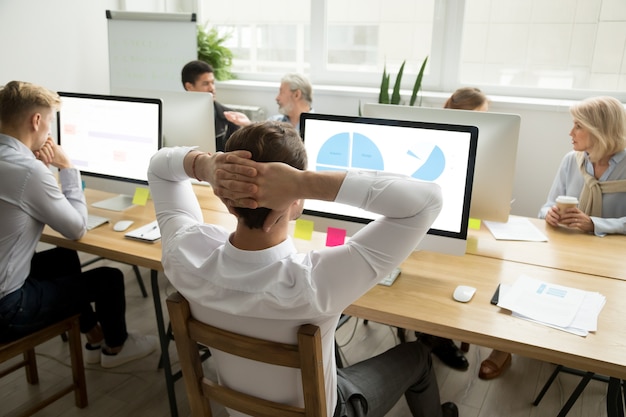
{"points": [[122, 225], [463, 293]]}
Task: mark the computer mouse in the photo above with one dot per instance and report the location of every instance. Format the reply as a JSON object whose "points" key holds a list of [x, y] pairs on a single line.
{"points": [[463, 293], [122, 225]]}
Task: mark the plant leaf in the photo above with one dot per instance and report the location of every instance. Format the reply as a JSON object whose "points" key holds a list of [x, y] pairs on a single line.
{"points": [[383, 96], [212, 51], [418, 82], [395, 96]]}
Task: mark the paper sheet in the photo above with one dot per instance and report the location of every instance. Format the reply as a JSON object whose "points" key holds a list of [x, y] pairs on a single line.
{"points": [[517, 228], [585, 317]]}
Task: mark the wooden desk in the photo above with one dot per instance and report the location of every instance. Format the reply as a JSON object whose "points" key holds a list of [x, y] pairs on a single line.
{"points": [[566, 249], [421, 300], [107, 243]]}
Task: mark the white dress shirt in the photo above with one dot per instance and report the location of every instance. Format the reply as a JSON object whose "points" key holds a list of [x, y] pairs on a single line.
{"points": [[270, 293]]}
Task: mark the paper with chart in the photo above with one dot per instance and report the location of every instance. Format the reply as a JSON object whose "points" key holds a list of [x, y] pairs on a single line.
{"points": [[565, 308]]}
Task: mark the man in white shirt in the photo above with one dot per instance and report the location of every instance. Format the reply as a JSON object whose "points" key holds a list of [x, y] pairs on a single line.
{"points": [[253, 281]]}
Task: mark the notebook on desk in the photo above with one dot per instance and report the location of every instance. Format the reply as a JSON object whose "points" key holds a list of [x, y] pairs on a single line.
{"points": [[146, 233]]}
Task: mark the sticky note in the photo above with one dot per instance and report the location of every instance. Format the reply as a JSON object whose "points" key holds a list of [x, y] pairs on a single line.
{"points": [[304, 229], [141, 196], [474, 223], [335, 236], [83, 184]]}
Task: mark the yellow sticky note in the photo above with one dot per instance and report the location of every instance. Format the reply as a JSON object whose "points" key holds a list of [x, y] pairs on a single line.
{"points": [[474, 223], [141, 196], [304, 229]]}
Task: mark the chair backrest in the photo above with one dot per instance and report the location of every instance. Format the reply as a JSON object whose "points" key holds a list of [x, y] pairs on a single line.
{"points": [[305, 355], [26, 347]]}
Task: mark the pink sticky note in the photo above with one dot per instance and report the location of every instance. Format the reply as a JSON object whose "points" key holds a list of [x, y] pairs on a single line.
{"points": [[335, 236]]}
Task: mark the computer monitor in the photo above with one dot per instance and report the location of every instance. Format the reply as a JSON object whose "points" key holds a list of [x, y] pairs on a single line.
{"points": [[110, 138], [188, 116], [437, 152], [498, 135]]}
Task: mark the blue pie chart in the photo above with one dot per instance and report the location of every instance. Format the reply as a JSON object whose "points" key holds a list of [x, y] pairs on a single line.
{"points": [[433, 167], [348, 150]]}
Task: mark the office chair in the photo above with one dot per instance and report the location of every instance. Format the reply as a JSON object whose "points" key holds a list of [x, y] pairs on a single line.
{"points": [[26, 346], [615, 405], [305, 355]]}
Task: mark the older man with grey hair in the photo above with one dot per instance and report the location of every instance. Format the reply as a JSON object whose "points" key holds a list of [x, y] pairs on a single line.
{"points": [[295, 96]]}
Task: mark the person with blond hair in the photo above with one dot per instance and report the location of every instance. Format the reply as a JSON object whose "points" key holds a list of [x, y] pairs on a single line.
{"points": [[41, 288], [595, 173]]}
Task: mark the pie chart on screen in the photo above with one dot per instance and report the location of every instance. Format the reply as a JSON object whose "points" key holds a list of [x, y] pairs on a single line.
{"points": [[350, 150], [433, 167]]}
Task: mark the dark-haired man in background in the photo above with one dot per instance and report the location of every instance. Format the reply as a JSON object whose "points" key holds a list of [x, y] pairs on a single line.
{"points": [[198, 76]]}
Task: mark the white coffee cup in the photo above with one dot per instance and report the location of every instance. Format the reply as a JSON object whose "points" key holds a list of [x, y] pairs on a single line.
{"points": [[564, 202]]}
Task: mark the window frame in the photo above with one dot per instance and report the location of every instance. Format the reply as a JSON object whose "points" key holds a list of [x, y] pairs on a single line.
{"points": [[444, 61]]}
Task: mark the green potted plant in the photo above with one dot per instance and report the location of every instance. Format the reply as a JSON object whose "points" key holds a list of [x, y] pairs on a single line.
{"points": [[211, 50], [383, 96]]}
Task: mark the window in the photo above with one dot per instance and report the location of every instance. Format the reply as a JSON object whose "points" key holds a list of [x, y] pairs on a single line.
{"points": [[543, 48], [545, 44], [350, 45]]}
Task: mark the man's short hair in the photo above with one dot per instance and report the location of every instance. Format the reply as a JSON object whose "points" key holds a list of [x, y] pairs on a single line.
{"points": [[268, 142], [194, 69], [299, 82], [19, 99]]}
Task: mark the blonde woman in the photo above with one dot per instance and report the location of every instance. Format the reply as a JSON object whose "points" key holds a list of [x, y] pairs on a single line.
{"points": [[595, 173]]}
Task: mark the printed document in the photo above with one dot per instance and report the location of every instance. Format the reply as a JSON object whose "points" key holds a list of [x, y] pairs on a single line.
{"points": [[569, 309]]}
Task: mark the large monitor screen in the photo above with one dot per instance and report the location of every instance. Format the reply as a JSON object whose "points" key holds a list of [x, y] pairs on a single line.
{"points": [[188, 116], [440, 153], [110, 137], [498, 134]]}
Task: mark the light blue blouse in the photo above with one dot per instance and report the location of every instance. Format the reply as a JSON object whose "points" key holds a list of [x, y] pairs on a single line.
{"points": [[569, 181]]}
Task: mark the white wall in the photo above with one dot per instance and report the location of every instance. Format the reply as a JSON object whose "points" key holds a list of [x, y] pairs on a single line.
{"points": [[62, 44]]}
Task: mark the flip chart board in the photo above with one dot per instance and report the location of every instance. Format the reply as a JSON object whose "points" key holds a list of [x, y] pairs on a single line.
{"points": [[148, 50]]}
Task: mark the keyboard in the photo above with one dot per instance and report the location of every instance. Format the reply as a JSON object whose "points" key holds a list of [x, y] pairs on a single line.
{"points": [[94, 221], [389, 279]]}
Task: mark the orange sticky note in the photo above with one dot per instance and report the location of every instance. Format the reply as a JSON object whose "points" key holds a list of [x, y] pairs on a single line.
{"points": [[304, 229], [474, 223], [141, 196], [335, 236]]}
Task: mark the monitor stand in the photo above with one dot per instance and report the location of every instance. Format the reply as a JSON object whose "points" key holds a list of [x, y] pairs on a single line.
{"points": [[118, 203]]}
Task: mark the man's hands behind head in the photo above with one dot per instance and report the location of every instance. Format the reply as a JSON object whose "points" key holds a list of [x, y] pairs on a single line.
{"points": [[241, 182]]}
